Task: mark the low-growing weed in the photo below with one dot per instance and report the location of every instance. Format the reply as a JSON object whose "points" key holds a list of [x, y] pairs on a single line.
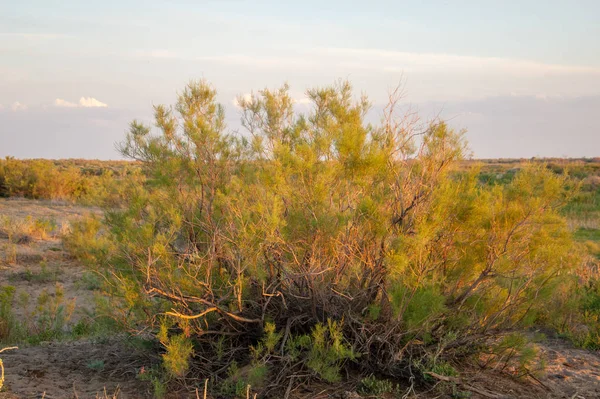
{"points": [[90, 281], [96, 365], [373, 386], [157, 376]]}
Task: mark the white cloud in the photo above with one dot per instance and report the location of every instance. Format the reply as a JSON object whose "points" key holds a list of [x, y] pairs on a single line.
{"points": [[84, 102], [90, 102], [59, 102], [245, 97], [300, 99], [17, 106]]}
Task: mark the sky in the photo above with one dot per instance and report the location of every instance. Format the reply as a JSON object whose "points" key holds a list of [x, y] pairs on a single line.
{"points": [[522, 77]]}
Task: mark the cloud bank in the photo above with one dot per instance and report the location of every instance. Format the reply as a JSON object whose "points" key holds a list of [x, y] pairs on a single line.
{"points": [[17, 106], [84, 102]]}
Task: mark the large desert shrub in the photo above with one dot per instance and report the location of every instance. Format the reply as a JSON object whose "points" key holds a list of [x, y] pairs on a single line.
{"points": [[319, 239]]}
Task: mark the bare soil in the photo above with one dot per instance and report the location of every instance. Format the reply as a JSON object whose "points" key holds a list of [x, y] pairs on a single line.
{"points": [[78, 369], [41, 264], [63, 370]]}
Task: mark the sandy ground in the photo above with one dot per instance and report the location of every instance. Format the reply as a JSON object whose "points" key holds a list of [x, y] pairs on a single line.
{"points": [[570, 373], [41, 264], [62, 369]]}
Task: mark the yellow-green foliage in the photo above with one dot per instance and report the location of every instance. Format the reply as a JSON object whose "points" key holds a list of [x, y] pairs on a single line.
{"points": [[9, 326], [325, 217], [86, 240], [179, 348], [40, 179], [375, 387], [16, 229], [327, 351], [10, 253], [269, 341], [46, 319], [67, 180], [517, 353]]}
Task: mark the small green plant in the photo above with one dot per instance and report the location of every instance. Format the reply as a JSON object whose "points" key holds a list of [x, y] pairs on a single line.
{"points": [[87, 242], [371, 385], [96, 364], [587, 234], [458, 394], [179, 349], [47, 320], [156, 375], [90, 281], [44, 275], [324, 350], [10, 253], [443, 368], [237, 384], [82, 328], [10, 328], [39, 228], [52, 314], [517, 354]]}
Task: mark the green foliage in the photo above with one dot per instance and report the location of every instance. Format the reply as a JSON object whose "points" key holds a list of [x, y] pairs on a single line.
{"points": [[587, 234], [586, 204], [157, 377], [47, 319], [267, 345], [432, 366], [86, 241], [10, 328], [44, 275], [69, 180], [270, 338], [96, 365], [51, 315], [324, 217], [179, 349], [239, 381], [21, 231], [584, 330], [324, 350], [420, 306], [375, 387], [90, 281], [444, 369], [39, 179], [516, 351], [328, 351]]}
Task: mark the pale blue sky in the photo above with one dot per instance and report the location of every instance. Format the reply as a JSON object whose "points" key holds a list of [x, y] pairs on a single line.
{"points": [[523, 77]]}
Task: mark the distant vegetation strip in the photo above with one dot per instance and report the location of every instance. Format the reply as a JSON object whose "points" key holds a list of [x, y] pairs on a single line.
{"points": [[83, 181]]}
